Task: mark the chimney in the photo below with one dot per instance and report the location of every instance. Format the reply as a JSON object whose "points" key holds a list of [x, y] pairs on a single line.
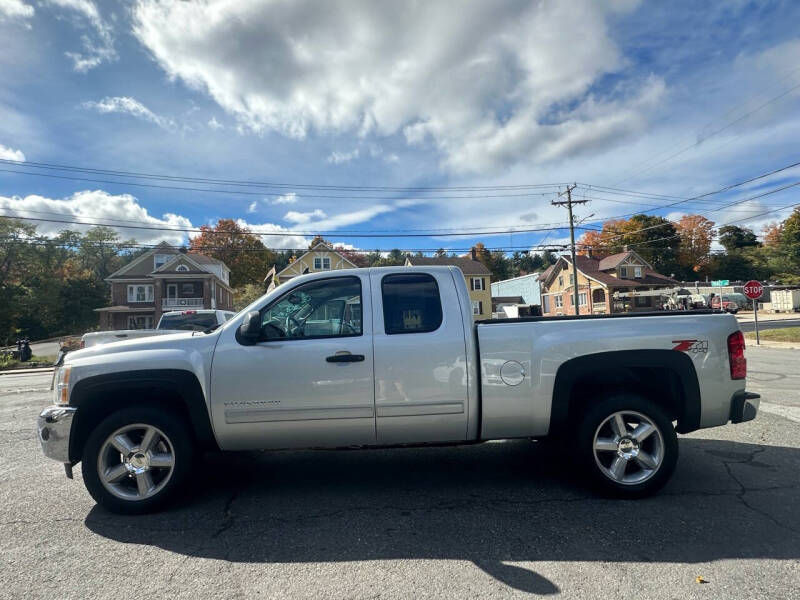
{"points": [[474, 254]]}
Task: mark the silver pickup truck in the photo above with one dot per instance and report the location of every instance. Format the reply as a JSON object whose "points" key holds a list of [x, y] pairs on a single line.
{"points": [[391, 356]]}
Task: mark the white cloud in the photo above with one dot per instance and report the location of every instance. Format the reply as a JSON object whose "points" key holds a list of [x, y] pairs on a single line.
{"points": [[338, 158], [95, 206], [11, 154], [131, 106], [477, 80], [289, 198], [214, 124], [15, 9], [304, 217], [98, 46], [253, 207]]}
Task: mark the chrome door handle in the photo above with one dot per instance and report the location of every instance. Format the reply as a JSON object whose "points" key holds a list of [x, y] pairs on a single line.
{"points": [[345, 358]]}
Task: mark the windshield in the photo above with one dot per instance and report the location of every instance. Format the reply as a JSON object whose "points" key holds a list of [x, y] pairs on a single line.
{"points": [[188, 321]]}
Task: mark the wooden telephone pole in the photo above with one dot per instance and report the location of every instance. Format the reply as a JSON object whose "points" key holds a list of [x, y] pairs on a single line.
{"points": [[569, 202]]}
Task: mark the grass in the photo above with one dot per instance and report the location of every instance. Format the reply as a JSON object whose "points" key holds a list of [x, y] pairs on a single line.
{"points": [[787, 334], [7, 363]]}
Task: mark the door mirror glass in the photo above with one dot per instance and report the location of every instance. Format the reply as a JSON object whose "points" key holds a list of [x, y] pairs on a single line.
{"points": [[250, 329]]}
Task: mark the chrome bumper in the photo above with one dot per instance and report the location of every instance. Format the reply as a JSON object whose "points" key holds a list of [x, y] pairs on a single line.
{"points": [[744, 406], [55, 424]]}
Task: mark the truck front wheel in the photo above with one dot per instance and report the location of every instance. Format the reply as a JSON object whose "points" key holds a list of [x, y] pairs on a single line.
{"points": [[628, 446], [137, 459]]}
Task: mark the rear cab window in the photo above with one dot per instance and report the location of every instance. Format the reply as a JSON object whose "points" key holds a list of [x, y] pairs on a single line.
{"points": [[411, 303], [189, 321]]}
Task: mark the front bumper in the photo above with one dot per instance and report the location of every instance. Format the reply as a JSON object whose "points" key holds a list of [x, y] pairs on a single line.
{"points": [[55, 425], [744, 406]]}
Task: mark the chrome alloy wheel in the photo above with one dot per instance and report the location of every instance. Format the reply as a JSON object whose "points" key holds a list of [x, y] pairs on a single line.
{"points": [[136, 462], [628, 447]]}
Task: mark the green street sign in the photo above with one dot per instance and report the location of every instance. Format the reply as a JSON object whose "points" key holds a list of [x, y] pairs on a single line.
{"points": [[720, 283]]}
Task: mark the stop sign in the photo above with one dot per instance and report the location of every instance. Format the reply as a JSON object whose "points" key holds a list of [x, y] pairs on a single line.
{"points": [[753, 289]]}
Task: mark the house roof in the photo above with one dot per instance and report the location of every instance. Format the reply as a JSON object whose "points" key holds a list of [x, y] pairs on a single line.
{"points": [[613, 261], [319, 247], [466, 264], [142, 267], [591, 267]]}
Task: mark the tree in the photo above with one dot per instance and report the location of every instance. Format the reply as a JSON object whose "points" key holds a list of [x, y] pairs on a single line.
{"points": [[733, 238], [359, 259], [654, 238], [695, 233], [772, 234], [790, 237], [591, 241], [247, 294], [242, 251]]}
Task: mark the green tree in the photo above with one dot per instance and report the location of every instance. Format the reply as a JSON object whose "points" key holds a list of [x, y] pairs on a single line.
{"points": [[246, 294], [734, 238]]}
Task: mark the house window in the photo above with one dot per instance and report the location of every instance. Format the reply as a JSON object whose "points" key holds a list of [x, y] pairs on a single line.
{"points": [[477, 307], [582, 299], [477, 283], [623, 272], [140, 293], [187, 289], [641, 301], [181, 268], [160, 260], [637, 272], [560, 281], [571, 278], [411, 303], [545, 304], [559, 301], [140, 322], [322, 263]]}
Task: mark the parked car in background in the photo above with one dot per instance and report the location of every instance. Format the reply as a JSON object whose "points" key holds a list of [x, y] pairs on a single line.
{"points": [[171, 322], [726, 302]]}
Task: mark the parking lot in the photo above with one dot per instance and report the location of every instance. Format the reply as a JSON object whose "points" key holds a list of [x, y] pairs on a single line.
{"points": [[490, 520]]}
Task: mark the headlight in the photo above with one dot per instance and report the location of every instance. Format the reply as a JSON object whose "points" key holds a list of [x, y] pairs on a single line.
{"points": [[61, 387]]}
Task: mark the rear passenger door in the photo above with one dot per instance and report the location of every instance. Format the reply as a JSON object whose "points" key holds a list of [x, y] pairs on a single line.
{"points": [[420, 358]]}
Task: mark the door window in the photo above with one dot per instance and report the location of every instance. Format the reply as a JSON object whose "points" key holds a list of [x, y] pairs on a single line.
{"points": [[411, 303], [321, 309]]}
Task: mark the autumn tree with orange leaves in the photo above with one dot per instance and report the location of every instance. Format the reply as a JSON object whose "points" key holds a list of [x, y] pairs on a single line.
{"points": [[695, 233], [240, 249]]}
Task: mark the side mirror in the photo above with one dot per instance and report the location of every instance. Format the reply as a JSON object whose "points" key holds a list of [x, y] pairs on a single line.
{"points": [[250, 330]]}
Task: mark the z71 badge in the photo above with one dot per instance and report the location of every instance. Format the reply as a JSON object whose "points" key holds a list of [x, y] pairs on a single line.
{"points": [[693, 346]]}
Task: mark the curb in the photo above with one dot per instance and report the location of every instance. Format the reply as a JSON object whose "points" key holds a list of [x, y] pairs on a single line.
{"points": [[23, 371], [751, 343]]}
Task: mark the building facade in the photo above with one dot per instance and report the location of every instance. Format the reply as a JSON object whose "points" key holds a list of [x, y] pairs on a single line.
{"points": [[320, 257], [476, 274], [163, 280], [612, 284]]}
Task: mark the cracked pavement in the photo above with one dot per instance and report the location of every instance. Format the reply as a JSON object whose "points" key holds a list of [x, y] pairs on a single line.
{"points": [[501, 519]]}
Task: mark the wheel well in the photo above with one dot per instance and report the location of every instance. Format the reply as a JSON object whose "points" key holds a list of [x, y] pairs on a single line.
{"points": [[173, 390], [95, 408], [657, 384], [665, 376]]}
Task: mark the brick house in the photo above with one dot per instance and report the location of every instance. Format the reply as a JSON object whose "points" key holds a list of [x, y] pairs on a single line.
{"points": [[476, 274], [162, 280], [598, 280]]}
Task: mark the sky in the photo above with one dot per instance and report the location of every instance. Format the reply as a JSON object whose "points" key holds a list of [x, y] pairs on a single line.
{"points": [[391, 124]]}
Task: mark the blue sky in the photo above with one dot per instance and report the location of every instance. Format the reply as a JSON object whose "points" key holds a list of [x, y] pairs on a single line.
{"points": [[393, 94]]}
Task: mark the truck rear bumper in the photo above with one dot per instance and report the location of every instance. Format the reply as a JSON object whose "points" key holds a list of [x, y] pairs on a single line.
{"points": [[55, 425], [744, 406]]}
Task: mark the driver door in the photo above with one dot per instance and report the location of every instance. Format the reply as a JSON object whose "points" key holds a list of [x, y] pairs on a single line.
{"points": [[309, 381]]}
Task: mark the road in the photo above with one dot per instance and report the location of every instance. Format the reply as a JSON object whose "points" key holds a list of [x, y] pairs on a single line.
{"points": [[496, 520], [748, 326]]}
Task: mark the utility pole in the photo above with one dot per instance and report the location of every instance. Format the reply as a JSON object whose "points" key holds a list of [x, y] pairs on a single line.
{"points": [[569, 202]]}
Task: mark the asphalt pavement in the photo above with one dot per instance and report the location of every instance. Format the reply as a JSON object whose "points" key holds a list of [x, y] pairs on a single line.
{"points": [[495, 520]]}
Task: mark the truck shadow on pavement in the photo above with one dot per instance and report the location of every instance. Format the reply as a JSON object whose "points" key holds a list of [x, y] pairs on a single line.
{"points": [[494, 504]]}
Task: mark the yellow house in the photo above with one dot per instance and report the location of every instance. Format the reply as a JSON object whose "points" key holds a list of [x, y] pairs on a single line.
{"points": [[477, 276], [320, 257]]}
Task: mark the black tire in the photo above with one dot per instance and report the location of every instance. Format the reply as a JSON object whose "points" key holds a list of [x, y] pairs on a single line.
{"points": [[588, 460], [179, 441]]}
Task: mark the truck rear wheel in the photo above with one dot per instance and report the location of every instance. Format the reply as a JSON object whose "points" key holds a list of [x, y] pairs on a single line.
{"points": [[137, 459], [628, 446]]}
